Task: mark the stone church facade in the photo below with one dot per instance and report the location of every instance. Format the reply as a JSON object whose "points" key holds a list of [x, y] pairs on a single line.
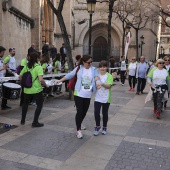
{"points": [[23, 22]]}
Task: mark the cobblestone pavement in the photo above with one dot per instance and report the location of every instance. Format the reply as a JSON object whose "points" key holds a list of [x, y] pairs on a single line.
{"points": [[136, 140]]}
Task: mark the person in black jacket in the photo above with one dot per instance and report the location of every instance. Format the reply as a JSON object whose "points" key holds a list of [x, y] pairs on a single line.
{"points": [[63, 54], [53, 52], [31, 49]]}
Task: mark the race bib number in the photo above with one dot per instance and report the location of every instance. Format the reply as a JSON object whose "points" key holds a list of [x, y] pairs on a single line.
{"points": [[86, 87]]}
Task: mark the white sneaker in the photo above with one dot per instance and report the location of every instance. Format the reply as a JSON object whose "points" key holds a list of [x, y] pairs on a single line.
{"points": [[83, 127], [79, 134]]}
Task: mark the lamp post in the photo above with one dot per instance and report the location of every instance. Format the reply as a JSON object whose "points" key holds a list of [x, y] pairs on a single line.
{"points": [[141, 44], [127, 29], [127, 39], [90, 8], [157, 42]]}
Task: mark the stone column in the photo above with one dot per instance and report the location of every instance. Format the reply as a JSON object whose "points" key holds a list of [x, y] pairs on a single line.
{"points": [[36, 32]]}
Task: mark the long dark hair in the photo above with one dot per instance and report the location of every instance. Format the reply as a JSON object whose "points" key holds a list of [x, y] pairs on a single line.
{"points": [[57, 58], [33, 57], [84, 59]]}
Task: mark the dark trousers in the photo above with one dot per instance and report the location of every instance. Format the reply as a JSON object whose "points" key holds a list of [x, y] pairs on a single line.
{"points": [[39, 101], [141, 84], [132, 81], [66, 85], [105, 108], [82, 106], [63, 59], [122, 77], [157, 99]]}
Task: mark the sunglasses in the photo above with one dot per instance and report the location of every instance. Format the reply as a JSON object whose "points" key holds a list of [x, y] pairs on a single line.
{"points": [[12, 48], [161, 63], [89, 62], [167, 60]]}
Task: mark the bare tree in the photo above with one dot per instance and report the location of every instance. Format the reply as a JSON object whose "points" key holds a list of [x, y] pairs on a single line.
{"points": [[163, 12], [135, 13], [58, 13]]}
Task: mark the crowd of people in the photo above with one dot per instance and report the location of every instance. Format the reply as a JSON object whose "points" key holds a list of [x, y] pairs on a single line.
{"points": [[157, 74], [89, 80]]}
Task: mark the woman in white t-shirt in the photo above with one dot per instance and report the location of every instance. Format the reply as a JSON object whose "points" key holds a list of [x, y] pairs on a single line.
{"points": [[102, 98], [122, 70], [132, 72], [159, 80], [84, 87]]}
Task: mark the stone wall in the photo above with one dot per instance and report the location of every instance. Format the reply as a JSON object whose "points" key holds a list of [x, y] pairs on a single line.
{"points": [[16, 31]]}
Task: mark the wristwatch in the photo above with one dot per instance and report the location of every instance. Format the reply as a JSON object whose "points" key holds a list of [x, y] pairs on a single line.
{"points": [[102, 84]]}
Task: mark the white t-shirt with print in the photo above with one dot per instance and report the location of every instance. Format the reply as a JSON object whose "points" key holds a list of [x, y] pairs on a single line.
{"points": [[123, 66], [102, 94], [3, 71], [159, 77], [132, 69], [12, 63], [86, 84]]}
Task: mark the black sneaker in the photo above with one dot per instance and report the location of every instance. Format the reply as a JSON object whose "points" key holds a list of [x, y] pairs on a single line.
{"points": [[22, 122], [5, 107], [37, 124]]}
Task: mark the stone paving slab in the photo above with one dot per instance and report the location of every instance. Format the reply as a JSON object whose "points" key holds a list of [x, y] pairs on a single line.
{"points": [[150, 131], [132, 156], [9, 165], [47, 143]]}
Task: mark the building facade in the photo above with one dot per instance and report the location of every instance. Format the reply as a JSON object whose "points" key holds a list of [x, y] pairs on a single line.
{"points": [[164, 43], [32, 21]]}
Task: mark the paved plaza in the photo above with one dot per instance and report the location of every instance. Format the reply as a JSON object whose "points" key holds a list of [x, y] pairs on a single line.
{"points": [[136, 140]]}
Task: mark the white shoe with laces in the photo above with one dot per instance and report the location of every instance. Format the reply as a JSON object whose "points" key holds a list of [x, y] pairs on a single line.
{"points": [[79, 134]]}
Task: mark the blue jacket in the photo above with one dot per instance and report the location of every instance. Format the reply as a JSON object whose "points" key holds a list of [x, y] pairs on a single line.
{"points": [[79, 77]]}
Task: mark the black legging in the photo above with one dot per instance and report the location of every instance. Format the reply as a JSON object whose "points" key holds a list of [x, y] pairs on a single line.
{"points": [[39, 101], [157, 98], [105, 108], [132, 80], [122, 76], [82, 106]]}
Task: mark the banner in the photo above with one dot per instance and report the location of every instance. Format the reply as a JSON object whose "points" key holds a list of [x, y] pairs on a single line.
{"points": [[127, 42]]}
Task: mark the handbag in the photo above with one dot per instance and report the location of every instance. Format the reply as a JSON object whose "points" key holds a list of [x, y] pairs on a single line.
{"points": [[72, 82]]}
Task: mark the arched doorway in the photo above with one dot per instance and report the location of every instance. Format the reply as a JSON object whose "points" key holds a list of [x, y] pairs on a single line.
{"points": [[99, 49]]}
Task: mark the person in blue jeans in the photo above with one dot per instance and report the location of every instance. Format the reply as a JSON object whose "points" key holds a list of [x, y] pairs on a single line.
{"points": [[102, 97], [141, 75]]}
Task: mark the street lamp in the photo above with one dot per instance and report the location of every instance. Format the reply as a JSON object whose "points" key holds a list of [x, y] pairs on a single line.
{"points": [[90, 8], [127, 29], [157, 42], [141, 44]]}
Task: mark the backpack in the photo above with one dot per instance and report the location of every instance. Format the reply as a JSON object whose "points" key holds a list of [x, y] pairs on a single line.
{"points": [[19, 69], [72, 82], [27, 79]]}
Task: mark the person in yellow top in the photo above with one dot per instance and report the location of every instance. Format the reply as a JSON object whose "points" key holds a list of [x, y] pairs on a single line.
{"points": [[44, 65], [35, 91], [57, 64], [23, 63]]}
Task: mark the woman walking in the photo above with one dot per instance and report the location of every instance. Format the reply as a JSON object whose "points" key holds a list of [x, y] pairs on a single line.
{"points": [[102, 98], [159, 80], [84, 88], [122, 70], [35, 91], [132, 72]]}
